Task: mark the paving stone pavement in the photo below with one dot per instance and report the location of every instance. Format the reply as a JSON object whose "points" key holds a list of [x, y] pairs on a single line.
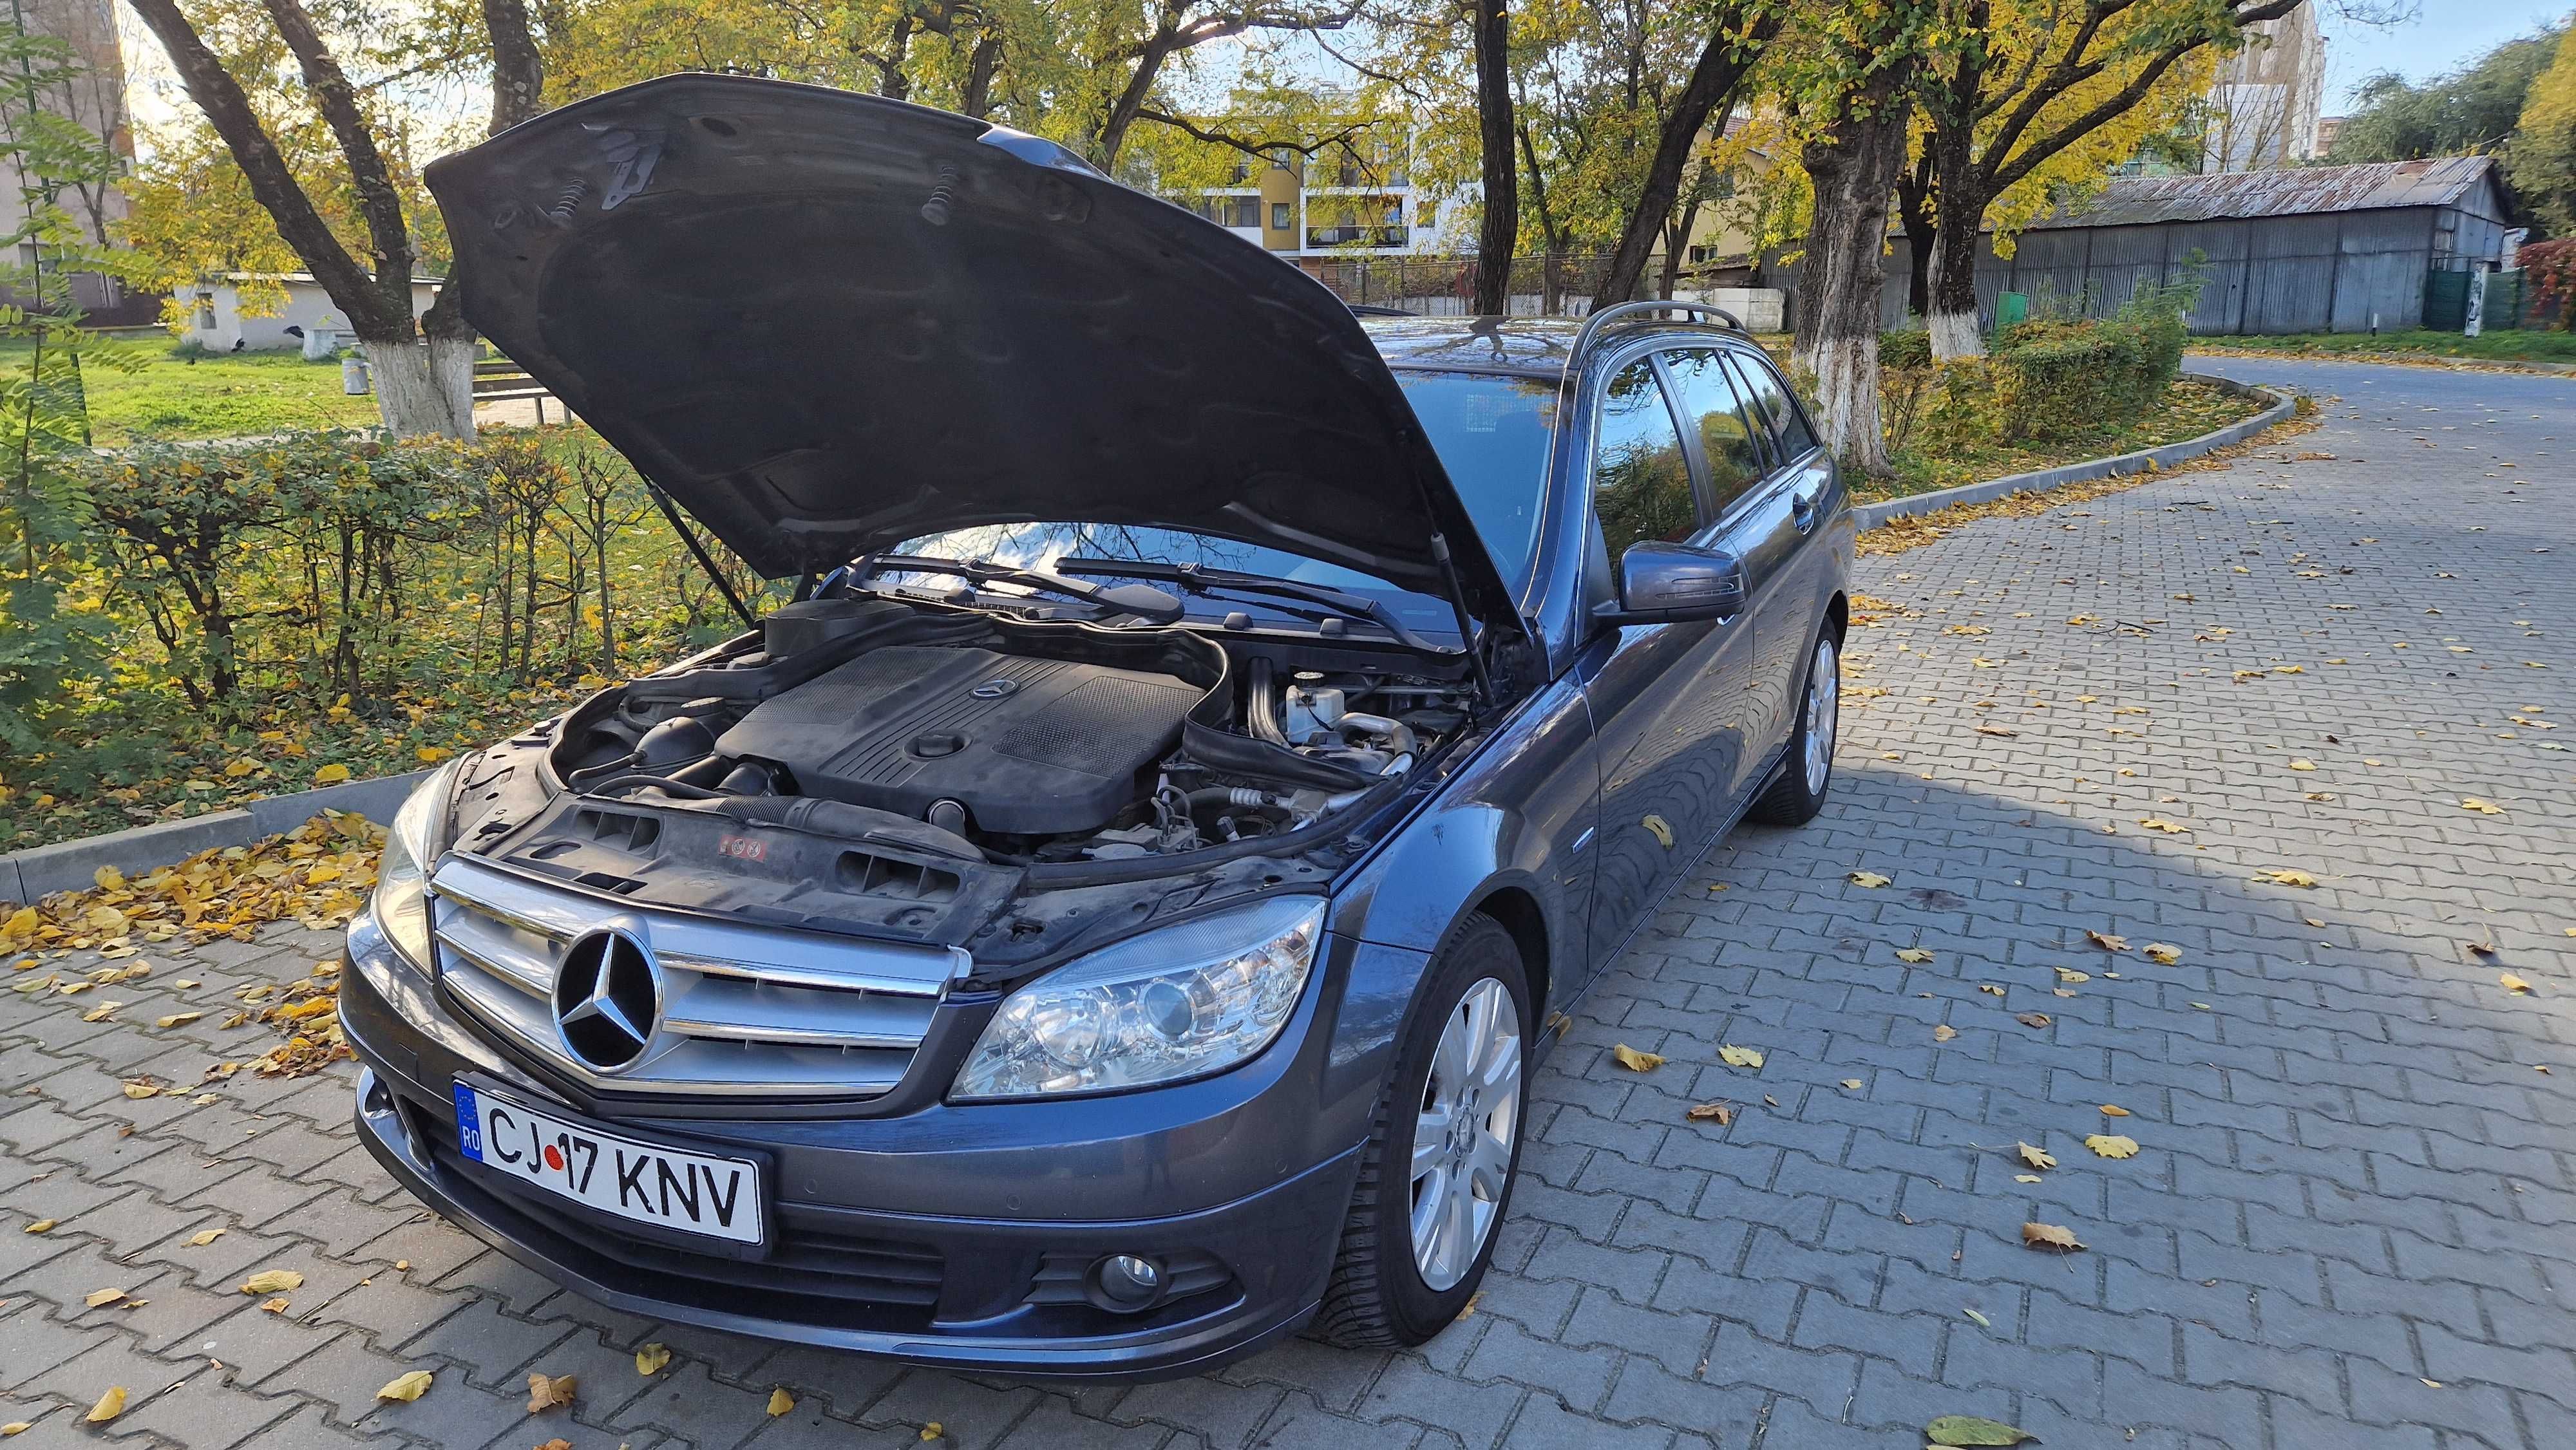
{"points": [[2351, 1221]]}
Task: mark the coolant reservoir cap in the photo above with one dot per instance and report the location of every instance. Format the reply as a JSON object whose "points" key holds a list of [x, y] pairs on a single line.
{"points": [[936, 744]]}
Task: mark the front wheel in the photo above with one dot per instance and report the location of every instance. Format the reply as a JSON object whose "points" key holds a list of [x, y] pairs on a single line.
{"points": [[1797, 790], [1436, 1176]]}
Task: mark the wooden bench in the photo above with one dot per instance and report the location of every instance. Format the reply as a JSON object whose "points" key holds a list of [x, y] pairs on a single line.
{"points": [[499, 380]]}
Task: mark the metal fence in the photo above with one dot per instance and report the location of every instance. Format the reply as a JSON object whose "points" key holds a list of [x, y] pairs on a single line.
{"points": [[1443, 286]]}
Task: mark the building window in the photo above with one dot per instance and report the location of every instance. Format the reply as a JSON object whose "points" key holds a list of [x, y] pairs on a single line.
{"points": [[1279, 216]]}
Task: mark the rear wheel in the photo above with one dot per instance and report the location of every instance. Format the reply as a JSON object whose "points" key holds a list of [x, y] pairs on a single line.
{"points": [[1797, 789], [1436, 1177]]}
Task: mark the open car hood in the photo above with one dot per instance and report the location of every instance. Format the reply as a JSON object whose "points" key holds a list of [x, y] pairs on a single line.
{"points": [[826, 323]]}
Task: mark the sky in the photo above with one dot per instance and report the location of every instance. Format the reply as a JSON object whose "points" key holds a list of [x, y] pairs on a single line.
{"points": [[2444, 35]]}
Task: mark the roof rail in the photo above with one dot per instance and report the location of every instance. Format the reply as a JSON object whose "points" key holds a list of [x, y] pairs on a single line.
{"points": [[1592, 322], [1363, 309]]}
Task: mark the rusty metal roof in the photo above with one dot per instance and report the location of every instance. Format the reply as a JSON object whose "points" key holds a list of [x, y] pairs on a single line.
{"points": [[2299, 191]]}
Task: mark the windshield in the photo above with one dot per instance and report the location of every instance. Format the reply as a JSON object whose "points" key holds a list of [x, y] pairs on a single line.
{"points": [[1492, 434]]}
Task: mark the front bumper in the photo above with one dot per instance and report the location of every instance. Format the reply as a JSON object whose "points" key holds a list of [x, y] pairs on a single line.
{"points": [[904, 1237]]}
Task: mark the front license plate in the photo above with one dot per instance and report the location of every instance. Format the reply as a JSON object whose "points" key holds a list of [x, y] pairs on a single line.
{"points": [[644, 1182]]}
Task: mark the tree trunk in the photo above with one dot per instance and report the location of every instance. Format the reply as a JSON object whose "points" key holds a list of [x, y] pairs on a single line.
{"points": [[1854, 166], [417, 390], [1131, 97], [1502, 224], [1914, 213], [1722, 64], [518, 67], [1952, 316], [981, 63]]}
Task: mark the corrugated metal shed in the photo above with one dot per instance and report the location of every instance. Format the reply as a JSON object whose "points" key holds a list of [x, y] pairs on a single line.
{"points": [[2299, 191]]}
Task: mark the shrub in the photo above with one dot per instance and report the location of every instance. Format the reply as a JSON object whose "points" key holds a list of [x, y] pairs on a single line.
{"points": [[1909, 347]]}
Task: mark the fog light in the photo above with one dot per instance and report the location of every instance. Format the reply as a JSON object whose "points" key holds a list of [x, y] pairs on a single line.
{"points": [[1128, 1282]]}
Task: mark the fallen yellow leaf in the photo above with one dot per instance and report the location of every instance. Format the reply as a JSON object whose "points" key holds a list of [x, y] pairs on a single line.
{"points": [[2114, 1110], [1852, 1083], [2163, 951], [2036, 1157], [200, 1240], [1720, 1113], [1916, 955], [2106, 941], [109, 1406], [406, 1387], [2049, 1235], [780, 1402], [2286, 878], [2159, 823], [1635, 1061], [1868, 878], [651, 1358], [42, 1225], [2482, 807], [180, 1019], [546, 1391], [331, 775], [2112, 1145], [16, 1427], [934, 1430], [2070, 975], [99, 1298], [2303, 765], [272, 1281], [1734, 1056], [1943, 1031], [1657, 828], [2512, 983]]}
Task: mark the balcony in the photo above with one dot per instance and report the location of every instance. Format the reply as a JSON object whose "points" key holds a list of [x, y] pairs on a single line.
{"points": [[1354, 236]]}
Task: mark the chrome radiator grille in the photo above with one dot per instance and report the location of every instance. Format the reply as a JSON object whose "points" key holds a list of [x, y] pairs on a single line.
{"points": [[744, 1009]]}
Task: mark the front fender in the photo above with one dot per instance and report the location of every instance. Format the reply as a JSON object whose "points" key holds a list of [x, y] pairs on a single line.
{"points": [[1516, 818]]}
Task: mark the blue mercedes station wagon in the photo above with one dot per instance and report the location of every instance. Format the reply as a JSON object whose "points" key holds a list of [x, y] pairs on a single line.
{"points": [[1110, 919]]}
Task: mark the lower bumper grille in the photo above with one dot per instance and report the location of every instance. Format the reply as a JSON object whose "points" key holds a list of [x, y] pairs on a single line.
{"points": [[900, 1279]]}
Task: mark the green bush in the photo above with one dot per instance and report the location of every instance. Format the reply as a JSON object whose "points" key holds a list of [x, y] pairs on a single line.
{"points": [[2049, 379], [1909, 347]]}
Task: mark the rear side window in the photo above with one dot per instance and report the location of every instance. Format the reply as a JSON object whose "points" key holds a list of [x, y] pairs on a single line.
{"points": [[1711, 403], [1641, 487], [1788, 425]]}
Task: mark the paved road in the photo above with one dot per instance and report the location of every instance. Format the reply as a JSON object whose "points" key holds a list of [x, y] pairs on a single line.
{"points": [[2351, 1221]]}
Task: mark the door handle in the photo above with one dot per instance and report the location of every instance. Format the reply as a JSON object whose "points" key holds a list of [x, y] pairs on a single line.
{"points": [[1802, 511]]}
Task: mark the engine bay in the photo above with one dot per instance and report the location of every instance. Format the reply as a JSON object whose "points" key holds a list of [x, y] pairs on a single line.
{"points": [[1015, 740]]}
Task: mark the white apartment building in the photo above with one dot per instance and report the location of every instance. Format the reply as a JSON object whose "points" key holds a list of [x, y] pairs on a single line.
{"points": [[1335, 205]]}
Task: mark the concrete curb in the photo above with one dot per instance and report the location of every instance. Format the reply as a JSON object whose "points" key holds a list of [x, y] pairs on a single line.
{"points": [[73, 865], [1871, 515]]}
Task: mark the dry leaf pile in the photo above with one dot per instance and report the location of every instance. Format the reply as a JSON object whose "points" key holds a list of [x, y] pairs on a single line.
{"points": [[317, 874]]}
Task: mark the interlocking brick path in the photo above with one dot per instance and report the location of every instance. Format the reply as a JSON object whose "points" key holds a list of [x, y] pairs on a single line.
{"points": [[2354, 1178]]}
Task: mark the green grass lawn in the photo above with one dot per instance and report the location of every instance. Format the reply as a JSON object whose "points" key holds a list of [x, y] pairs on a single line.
{"points": [[2187, 411], [215, 397], [2515, 345]]}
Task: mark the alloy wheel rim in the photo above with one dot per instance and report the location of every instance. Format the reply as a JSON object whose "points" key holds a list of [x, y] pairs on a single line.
{"points": [[1824, 702], [1463, 1138]]}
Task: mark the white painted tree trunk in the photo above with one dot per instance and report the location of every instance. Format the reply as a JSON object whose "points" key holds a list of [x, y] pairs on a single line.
{"points": [[418, 390], [1955, 335], [1846, 372], [1954, 329]]}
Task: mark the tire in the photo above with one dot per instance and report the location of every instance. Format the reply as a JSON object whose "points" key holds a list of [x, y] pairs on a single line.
{"points": [[1382, 1293], [1797, 790]]}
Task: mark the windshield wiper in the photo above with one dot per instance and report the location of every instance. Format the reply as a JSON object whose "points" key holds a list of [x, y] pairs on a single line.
{"points": [[1207, 583], [1141, 600]]}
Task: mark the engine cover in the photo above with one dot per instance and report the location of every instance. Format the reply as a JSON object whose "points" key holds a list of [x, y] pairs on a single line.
{"points": [[1028, 746]]}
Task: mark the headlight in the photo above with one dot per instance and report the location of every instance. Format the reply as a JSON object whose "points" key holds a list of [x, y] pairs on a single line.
{"points": [[1181, 1002], [401, 903]]}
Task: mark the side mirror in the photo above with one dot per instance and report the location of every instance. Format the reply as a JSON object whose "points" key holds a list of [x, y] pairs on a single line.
{"points": [[1669, 583]]}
